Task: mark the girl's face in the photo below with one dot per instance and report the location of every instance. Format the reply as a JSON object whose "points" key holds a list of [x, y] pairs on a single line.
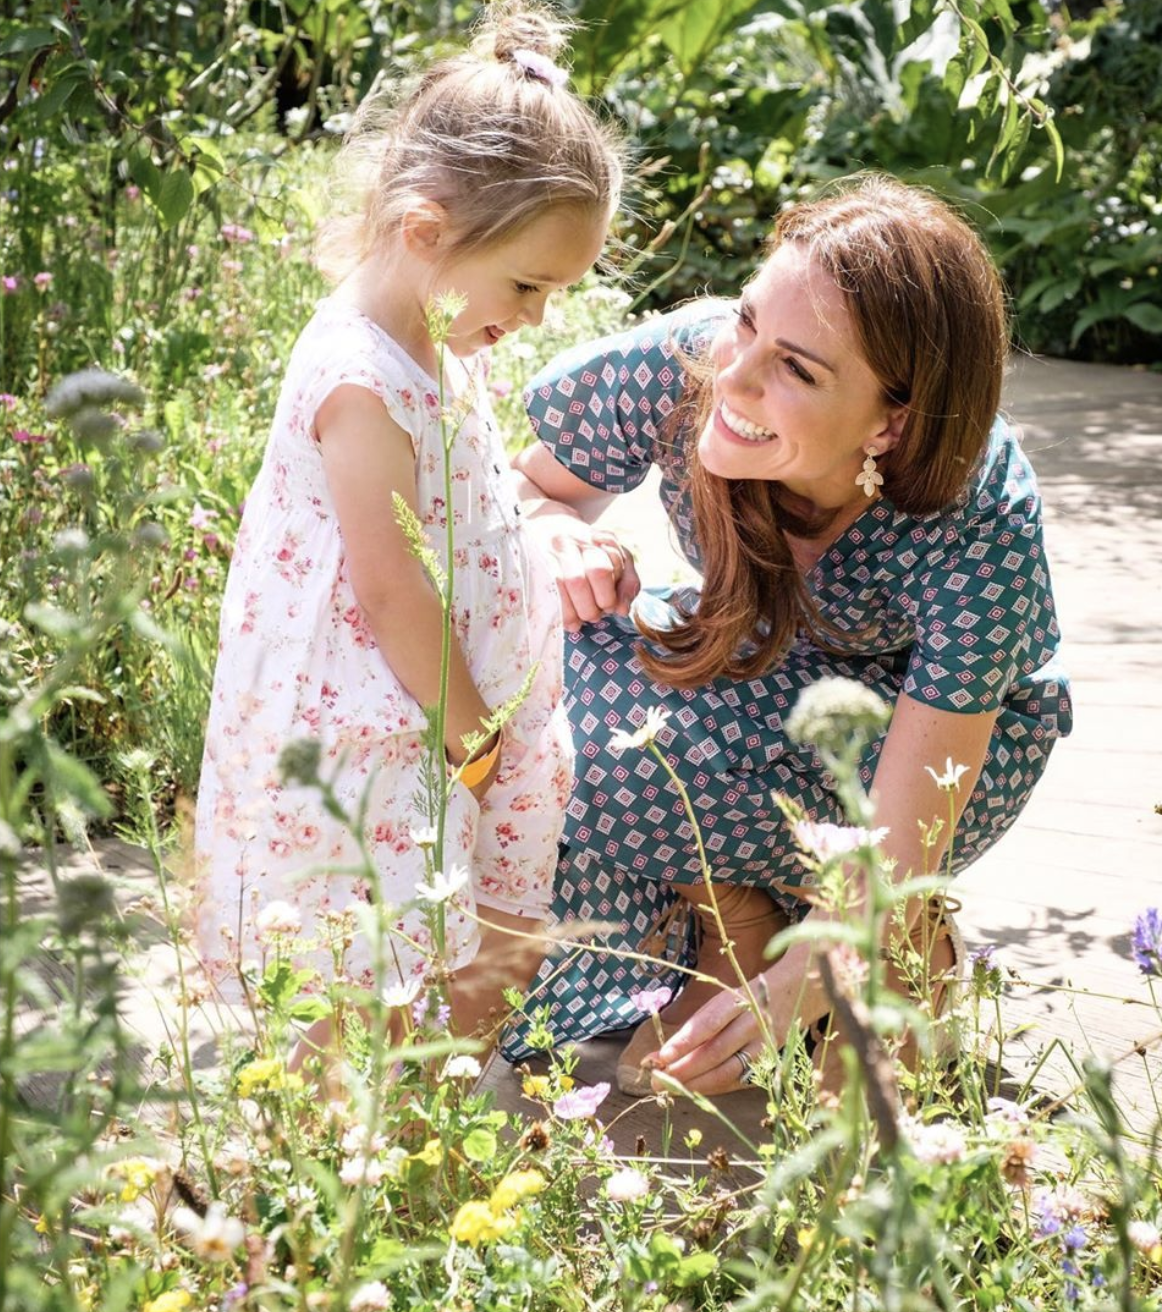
{"points": [[507, 284], [794, 400]]}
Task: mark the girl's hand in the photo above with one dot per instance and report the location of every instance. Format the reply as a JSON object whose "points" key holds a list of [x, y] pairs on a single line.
{"points": [[595, 573]]}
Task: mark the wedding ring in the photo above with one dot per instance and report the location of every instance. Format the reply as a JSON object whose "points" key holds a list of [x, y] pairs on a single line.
{"points": [[748, 1076]]}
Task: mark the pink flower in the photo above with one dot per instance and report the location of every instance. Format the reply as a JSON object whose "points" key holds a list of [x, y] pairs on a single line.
{"points": [[651, 1001], [200, 517], [627, 1186], [25, 438], [132, 192], [10, 283], [580, 1104], [43, 281], [8, 401], [235, 232], [501, 389]]}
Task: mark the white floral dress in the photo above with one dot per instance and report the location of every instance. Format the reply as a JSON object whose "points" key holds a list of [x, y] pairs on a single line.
{"points": [[297, 660]]}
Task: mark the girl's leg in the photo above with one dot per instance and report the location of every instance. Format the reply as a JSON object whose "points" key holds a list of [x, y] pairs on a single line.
{"points": [[511, 950]]}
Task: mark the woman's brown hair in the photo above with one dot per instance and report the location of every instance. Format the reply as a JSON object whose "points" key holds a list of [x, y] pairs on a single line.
{"points": [[928, 310]]}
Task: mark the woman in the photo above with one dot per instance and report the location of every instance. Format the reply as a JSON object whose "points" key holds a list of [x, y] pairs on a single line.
{"points": [[832, 463]]}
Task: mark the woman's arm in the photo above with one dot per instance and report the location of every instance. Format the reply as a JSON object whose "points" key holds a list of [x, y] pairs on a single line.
{"points": [[906, 798], [595, 573], [367, 456]]}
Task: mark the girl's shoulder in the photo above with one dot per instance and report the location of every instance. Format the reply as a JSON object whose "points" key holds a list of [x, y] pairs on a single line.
{"points": [[337, 332]]}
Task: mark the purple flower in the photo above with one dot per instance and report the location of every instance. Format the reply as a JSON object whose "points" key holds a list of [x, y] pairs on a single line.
{"points": [[1148, 941], [651, 1001], [581, 1104], [1074, 1238], [235, 232]]}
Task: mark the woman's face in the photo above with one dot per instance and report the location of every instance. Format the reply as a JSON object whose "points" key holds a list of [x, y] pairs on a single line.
{"points": [[794, 400]]}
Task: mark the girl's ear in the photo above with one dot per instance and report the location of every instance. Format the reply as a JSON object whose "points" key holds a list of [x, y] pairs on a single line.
{"points": [[890, 434], [424, 230]]}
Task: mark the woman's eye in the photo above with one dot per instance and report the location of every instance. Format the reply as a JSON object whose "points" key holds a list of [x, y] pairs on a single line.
{"points": [[800, 373], [744, 317]]}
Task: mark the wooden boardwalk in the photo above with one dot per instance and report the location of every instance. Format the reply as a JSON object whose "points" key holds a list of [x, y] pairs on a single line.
{"points": [[1058, 895]]}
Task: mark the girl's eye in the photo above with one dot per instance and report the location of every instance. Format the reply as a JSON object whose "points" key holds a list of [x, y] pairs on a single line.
{"points": [[744, 317], [525, 288]]}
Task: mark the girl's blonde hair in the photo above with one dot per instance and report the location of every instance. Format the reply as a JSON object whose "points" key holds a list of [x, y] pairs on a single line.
{"points": [[493, 135], [928, 310]]}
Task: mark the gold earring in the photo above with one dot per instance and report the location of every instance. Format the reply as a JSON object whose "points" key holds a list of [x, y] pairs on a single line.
{"points": [[869, 478]]}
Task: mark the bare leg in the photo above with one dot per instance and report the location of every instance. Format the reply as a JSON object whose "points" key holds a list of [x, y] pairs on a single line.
{"points": [[751, 920], [505, 960]]}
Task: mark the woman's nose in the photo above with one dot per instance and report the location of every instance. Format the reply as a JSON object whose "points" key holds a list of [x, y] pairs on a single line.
{"points": [[740, 373]]}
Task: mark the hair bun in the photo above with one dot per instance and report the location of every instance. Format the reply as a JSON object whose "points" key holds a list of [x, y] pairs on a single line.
{"points": [[513, 26]]}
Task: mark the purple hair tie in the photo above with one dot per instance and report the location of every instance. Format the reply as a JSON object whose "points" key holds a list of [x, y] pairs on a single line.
{"points": [[541, 67]]}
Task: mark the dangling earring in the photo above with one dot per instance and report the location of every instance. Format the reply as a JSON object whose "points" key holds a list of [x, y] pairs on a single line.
{"points": [[869, 478]]}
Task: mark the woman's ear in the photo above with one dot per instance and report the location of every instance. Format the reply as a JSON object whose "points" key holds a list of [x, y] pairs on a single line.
{"points": [[424, 230], [893, 429]]}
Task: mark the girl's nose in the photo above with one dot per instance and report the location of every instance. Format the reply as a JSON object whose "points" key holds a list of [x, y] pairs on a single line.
{"points": [[534, 310]]}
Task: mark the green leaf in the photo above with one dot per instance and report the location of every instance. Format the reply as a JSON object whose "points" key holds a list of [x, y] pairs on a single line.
{"points": [[479, 1145], [65, 774], [143, 170], [28, 39], [693, 28], [62, 84], [307, 1010], [694, 1269], [1145, 316], [173, 196]]}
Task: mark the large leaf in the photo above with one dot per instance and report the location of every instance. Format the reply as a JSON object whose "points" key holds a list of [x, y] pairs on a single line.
{"points": [[692, 28]]}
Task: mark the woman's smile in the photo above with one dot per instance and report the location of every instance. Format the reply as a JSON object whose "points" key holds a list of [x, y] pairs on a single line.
{"points": [[737, 426]]}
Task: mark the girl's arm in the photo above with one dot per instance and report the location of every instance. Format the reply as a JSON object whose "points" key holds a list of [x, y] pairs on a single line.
{"points": [[367, 456], [595, 573], [906, 798]]}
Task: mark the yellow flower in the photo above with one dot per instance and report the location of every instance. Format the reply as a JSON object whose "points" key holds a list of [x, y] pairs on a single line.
{"points": [[41, 1226], [536, 1086], [515, 1186], [694, 1138], [174, 1300], [476, 1223], [266, 1074], [138, 1176], [565, 1082], [806, 1237], [431, 1154]]}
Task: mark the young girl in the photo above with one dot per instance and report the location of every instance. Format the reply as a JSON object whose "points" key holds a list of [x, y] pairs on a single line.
{"points": [[494, 181]]}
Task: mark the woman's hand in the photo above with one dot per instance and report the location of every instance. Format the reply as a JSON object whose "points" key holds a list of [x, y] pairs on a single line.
{"points": [[703, 1055], [595, 573]]}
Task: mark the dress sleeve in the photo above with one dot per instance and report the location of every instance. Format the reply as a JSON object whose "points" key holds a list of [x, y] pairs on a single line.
{"points": [[983, 600], [602, 408]]}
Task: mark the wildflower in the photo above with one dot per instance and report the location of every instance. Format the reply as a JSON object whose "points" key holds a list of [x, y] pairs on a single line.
{"points": [[78, 476], [1058, 1205], [362, 1170], [298, 762], [42, 281], [8, 401], [362, 1139], [835, 714], [516, 1186], [1148, 941], [24, 438], [984, 973], [1018, 1158], [443, 887], [372, 1297], [431, 1154], [266, 1075], [501, 389], [91, 388], [278, 919], [394, 1163], [644, 735], [826, 842], [425, 836], [1007, 1111], [236, 234], [1146, 1238], [462, 1067], [536, 1086], [949, 781], [213, 1237], [200, 517], [138, 1175], [581, 1104], [441, 311], [1075, 1238], [476, 1223], [132, 192], [939, 1142], [173, 1300], [402, 995], [10, 283], [627, 1186], [651, 1001]]}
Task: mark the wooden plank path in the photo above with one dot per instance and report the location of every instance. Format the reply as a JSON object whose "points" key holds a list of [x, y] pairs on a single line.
{"points": [[1059, 893]]}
